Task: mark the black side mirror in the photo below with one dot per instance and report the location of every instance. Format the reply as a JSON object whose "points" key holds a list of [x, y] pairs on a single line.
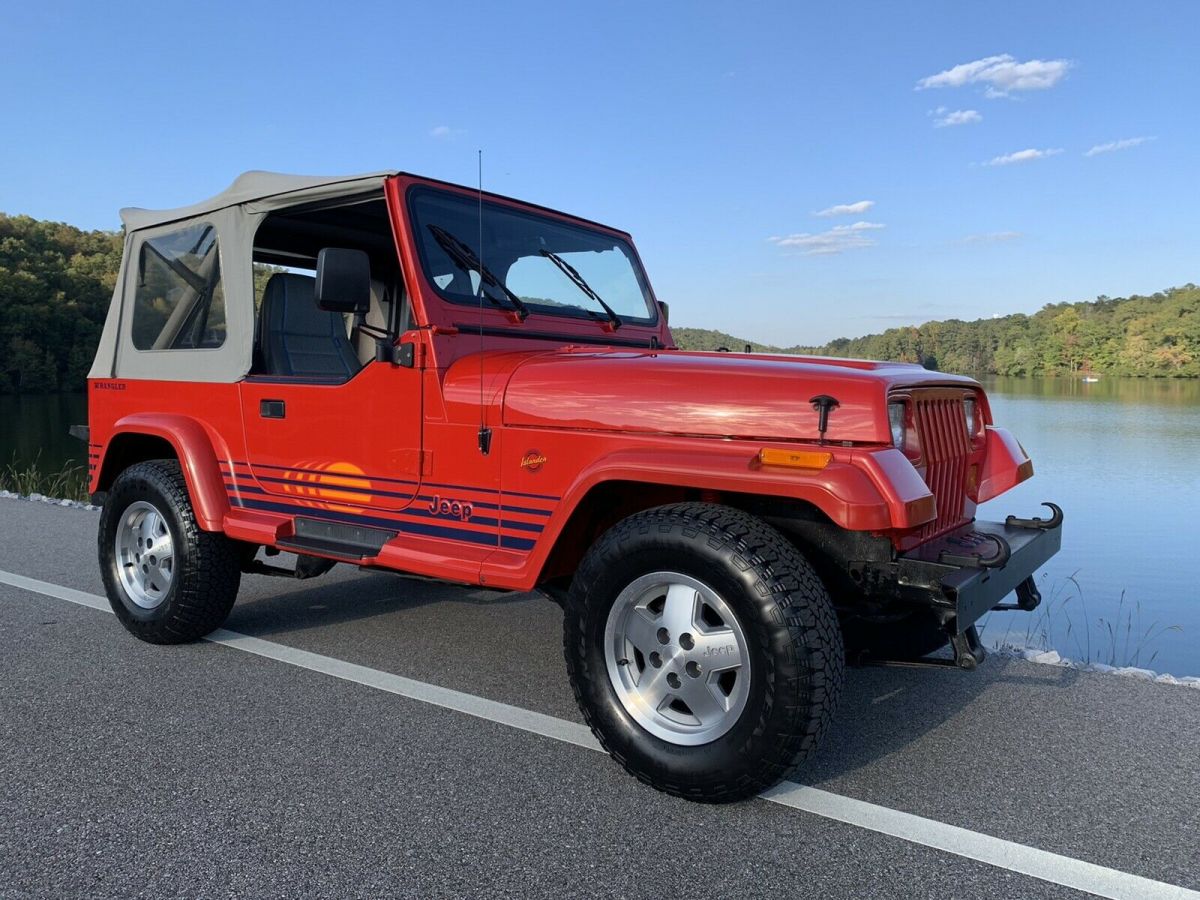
{"points": [[666, 311], [343, 280]]}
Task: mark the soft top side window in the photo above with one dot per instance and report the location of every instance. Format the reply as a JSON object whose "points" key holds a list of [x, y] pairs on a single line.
{"points": [[179, 302]]}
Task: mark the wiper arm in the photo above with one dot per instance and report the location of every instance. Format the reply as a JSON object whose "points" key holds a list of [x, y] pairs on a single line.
{"points": [[464, 257], [577, 279]]}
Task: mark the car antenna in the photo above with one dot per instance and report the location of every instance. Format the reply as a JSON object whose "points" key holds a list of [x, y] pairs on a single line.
{"points": [[485, 433]]}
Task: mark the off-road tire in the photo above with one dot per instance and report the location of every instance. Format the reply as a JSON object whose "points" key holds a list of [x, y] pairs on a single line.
{"points": [[206, 576], [796, 658], [909, 637]]}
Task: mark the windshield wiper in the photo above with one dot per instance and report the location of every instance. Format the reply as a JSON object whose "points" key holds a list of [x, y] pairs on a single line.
{"points": [[464, 257], [577, 280]]}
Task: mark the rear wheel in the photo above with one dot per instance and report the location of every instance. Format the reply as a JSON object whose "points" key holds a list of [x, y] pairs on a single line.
{"points": [[703, 650], [167, 581]]}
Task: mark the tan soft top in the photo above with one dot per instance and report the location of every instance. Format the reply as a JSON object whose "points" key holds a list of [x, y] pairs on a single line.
{"points": [[253, 188], [235, 213]]}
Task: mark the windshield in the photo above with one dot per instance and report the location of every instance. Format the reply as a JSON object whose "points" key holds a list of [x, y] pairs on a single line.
{"points": [[521, 261]]}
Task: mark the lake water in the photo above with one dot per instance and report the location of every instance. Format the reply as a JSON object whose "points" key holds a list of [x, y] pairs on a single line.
{"points": [[1122, 458], [35, 428]]}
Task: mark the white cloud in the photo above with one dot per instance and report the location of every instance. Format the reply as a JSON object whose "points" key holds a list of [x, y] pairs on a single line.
{"points": [[1123, 144], [947, 118], [836, 240], [444, 132], [1022, 156], [1001, 75], [992, 237], [846, 209]]}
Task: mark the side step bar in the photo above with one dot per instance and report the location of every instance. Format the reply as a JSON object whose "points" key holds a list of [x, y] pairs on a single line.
{"points": [[348, 542]]}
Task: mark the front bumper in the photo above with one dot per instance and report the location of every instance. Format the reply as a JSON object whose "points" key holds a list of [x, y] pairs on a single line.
{"points": [[970, 570]]}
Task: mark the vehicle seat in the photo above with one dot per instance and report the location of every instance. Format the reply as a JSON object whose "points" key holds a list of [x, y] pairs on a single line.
{"points": [[298, 337], [377, 316]]}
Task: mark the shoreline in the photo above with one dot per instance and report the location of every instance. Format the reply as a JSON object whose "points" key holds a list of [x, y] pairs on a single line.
{"points": [[1053, 658]]}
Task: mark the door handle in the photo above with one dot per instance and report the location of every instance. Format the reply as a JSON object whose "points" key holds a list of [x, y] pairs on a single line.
{"points": [[272, 409]]}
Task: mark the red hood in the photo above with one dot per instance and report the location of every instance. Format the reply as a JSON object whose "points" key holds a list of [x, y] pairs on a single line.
{"points": [[710, 394]]}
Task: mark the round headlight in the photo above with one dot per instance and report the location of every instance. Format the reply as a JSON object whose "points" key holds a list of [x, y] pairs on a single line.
{"points": [[896, 421]]}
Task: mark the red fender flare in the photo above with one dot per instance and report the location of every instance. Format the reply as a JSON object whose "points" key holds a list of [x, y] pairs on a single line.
{"points": [[194, 446]]}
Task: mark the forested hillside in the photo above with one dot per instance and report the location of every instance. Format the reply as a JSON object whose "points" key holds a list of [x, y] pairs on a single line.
{"points": [[55, 285], [1157, 335], [56, 282], [706, 339]]}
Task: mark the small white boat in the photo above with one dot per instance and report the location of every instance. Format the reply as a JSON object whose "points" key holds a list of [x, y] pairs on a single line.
{"points": [[1090, 379]]}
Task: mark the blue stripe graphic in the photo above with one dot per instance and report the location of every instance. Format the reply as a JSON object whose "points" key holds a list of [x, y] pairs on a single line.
{"points": [[442, 531], [480, 504], [425, 484], [329, 486], [486, 521], [319, 472]]}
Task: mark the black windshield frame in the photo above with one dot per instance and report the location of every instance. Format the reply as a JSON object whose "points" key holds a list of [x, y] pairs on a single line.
{"points": [[583, 312]]}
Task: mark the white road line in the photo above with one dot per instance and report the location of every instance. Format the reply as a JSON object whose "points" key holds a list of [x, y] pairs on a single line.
{"points": [[480, 707], [1040, 864]]}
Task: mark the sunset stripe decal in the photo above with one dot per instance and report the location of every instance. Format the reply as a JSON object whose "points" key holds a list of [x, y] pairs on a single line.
{"points": [[344, 490]]}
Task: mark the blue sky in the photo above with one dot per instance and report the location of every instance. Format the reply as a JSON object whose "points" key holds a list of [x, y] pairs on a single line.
{"points": [[714, 133]]}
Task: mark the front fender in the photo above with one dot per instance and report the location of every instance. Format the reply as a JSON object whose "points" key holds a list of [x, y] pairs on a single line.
{"points": [[194, 447], [874, 490], [860, 490], [842, 490]]}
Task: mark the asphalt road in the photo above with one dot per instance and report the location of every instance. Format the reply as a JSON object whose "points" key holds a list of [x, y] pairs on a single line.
{"points": [[202, 770]]}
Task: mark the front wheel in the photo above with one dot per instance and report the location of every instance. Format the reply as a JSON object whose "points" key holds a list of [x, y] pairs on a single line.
{"points": [[167, 581], [703, 650]]}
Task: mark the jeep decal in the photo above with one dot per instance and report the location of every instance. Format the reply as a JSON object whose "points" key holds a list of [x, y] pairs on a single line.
{"points": [[455, 509]]}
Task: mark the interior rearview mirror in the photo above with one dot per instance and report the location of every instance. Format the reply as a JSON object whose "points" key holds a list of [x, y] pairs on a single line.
{"points": [[343, 280]]}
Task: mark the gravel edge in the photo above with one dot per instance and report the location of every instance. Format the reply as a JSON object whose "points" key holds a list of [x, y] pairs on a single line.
{"points": [[53, 501]]}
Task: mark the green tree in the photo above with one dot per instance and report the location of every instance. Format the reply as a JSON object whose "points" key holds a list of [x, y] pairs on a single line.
{"points": [[56, 282]]}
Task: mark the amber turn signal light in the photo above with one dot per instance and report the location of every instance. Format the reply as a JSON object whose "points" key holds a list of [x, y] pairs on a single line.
{"points": [[795, 459]]}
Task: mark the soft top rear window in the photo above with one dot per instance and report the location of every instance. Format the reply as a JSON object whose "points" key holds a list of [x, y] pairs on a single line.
{"points": [[526, 255], [179, 302]]}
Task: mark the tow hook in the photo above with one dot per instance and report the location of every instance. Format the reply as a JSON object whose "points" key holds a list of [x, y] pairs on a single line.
{"points": [[971, 541], [1056, 519]]}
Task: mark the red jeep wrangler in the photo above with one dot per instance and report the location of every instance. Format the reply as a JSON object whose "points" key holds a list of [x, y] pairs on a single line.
{"points": [[402, 374]]}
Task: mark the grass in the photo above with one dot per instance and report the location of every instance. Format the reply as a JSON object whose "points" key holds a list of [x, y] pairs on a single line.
{"points": [[1124, 640], [70, 482]]}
